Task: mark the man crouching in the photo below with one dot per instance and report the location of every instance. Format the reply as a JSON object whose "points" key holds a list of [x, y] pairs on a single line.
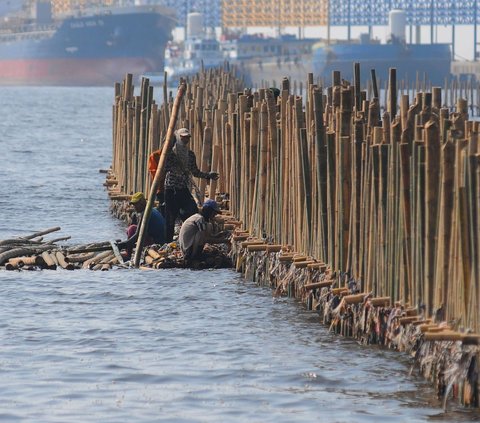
{"points": [[197, 230]]}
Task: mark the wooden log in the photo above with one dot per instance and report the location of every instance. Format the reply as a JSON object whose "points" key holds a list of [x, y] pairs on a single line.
{"points": [[317, 266], [119, 196], [10, 266], [44, 232], [411, 311], [315, 285], [427, 327], [48, 259], [245, 244], [435, 328], [355, 298], [299, 258], [274, 248], [63, 262], [421, 322], [449, 335], [53, 256], [15, 252], [408, 320], [79, 258], [380, 301], [257, 247], [27, 261], [302, 264], [153, 253], [237, 238], [94, 249], [97, 258]]}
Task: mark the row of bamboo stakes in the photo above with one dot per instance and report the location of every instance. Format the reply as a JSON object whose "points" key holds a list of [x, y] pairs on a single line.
{"points": [[389, 199], [140, 126], [454, 88]]}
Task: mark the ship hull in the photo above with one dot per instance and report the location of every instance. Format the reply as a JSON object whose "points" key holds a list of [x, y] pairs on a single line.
{"points": [[430, 62], [87, 51], [72, 72]]}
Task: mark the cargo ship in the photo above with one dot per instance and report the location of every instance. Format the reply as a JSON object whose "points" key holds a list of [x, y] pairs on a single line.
{"points": [[89, 47], [430, 62]]}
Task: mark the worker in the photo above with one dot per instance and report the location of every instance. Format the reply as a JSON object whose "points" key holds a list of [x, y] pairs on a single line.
{"points": [[276, 92], [156, 225], [180, 166], [197, 231]]}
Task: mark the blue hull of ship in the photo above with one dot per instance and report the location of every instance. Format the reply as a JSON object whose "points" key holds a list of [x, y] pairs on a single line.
{"points": [[88, 50]]}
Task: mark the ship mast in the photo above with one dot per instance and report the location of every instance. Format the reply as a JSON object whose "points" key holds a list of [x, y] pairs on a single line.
{"points": [[328, 22], [475, 31]]}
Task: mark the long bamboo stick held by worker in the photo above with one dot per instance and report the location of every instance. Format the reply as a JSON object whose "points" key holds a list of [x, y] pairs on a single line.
{"points": [[160, 173]]}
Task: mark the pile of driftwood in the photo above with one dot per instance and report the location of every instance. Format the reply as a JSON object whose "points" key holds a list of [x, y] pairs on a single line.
{"points": [[33, 252]]}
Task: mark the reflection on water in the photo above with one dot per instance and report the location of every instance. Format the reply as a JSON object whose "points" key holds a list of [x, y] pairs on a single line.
{"points": [[172, 345]]}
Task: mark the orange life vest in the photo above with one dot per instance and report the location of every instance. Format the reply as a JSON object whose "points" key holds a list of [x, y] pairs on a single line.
{"points": [[153, 161]]}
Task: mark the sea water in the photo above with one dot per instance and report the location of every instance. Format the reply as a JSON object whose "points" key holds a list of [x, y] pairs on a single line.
{"points": [[158, 346]]}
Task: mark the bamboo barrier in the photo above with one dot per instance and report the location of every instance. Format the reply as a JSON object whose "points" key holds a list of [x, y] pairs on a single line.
{"points": [[389, 200], [381, 202], [362, 193], [140, 126]]}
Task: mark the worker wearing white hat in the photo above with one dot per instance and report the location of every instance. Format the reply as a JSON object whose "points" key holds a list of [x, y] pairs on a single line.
{"points": [[180, 166]]}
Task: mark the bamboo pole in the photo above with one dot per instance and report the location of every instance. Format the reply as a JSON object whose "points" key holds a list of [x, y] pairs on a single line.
{"points": [[159, 174]]}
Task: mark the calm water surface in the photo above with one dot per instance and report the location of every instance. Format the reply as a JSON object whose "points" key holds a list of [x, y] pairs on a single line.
{"points": [[170, 345]]}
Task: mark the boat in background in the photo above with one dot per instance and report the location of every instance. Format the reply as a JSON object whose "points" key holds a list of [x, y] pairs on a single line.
{"points": [[96, 46], [200, 50], [412, 61], [264, 60], [256, 57]]}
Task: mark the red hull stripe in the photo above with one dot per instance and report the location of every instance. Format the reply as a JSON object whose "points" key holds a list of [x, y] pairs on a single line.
{"points": [[71, 71]]}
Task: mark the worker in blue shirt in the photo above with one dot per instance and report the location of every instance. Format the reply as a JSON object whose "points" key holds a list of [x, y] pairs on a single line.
{"points": [[156, 225]]}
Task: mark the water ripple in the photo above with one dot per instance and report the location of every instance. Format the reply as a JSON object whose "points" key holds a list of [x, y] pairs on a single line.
{"points": [[167, 346]]}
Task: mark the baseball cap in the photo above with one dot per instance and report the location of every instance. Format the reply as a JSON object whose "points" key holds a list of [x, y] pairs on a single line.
{"points": [[212, 204], [138, 196]]}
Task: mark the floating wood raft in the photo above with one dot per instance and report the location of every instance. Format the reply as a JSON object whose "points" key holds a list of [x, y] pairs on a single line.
{"points": [[367, 214]]}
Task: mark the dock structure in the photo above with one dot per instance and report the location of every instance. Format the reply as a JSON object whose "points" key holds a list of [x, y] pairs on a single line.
{"points": [[369, 217]]}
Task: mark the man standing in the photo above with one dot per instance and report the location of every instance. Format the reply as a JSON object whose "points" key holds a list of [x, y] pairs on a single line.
{"points": [[197, 230], [156, 225], [180, 166]]}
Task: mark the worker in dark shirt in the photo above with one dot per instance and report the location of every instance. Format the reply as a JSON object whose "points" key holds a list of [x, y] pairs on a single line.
{"points": [[156, 225], [180, 166]]}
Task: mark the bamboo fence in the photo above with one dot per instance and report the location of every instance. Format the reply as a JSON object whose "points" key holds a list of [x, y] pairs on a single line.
{"points": [[390, 201], [385, 196]]}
